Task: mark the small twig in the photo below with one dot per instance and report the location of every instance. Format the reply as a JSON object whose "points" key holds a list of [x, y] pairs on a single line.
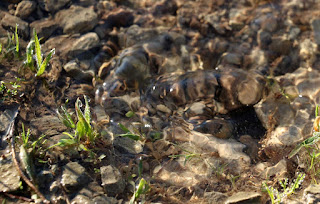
{"points": [[28, 182], [17, 197]]}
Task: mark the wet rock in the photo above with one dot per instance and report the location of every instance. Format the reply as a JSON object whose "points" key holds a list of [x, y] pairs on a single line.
{"points": [[237, 91], [88, 192], [84, 43], [49, 125], [227, 149], [44, 178], [9, 176], [105, 199], [196, 108], [74, 176], [217, 127], [118, 18], [215, 197], [244, 197], [308, 51], [81, 199], [112, 180], [269, 24], [264, 39], [62, 45], [53, 6], [79, 70], [44, 27], [165, 7], [280, 45], [7, 116], [9, 22], [232, 58], [312, 193], [131, 146], [215, 21], [315, 24], [252, 147], [25, 8], [77, 19], [279, 170], [163, 108]]}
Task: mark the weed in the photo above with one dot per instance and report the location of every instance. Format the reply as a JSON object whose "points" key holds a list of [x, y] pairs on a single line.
{"points": [[287, 190], [9, 90], [83, 129], [142, 188], [34, 51], [233, 180], [12, 45], [187, 157], [28, 150], [219, 170], [135, 136]]}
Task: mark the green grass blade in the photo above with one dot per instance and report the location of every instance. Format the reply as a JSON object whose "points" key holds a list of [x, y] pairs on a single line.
{"points": [[83, 128], [17, 39], [317, 110], [131, 136], [45, 63], [29, 55], [87, 113], [0, 48], [66, 118], [37, 49], [295, 150], [124, 128]]}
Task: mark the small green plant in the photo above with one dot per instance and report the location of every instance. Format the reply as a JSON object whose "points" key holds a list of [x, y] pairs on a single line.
{"points": [[9, 90], [142, 188], [233, 180], [287, 190], [12, 45], [135, 136], [83, 129], [219, 170], [34, 51], [187, 157], [28, 150]]}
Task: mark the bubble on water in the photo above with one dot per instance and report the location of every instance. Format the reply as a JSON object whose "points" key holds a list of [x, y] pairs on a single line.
{"points": [[147, 125]]}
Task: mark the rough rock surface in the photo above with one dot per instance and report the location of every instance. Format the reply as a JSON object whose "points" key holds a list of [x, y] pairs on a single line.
{"points": [[219, 93], [77, 19], [74, 176]]}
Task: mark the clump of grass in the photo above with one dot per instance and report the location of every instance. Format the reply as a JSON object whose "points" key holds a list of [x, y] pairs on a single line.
{"points": [[287, 190], [9, 90], [83, 130], [33, 51], [12, 45], [28, 150]]}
